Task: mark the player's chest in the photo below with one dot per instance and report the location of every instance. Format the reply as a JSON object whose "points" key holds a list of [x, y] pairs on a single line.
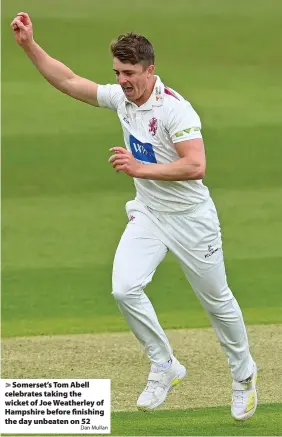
{"points": [[144, 134]]}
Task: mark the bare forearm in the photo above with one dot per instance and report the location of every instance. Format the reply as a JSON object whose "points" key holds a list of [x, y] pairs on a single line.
{"points": [[54, 71], [179, 170]]}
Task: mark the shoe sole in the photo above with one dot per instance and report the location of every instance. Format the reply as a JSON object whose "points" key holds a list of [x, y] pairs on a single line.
{"points": [[173, 384]]}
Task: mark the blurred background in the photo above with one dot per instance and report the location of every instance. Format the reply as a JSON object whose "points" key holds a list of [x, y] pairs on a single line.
{"points": [[63, 205]]}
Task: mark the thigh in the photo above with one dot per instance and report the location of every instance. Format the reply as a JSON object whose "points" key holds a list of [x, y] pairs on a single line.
{"points": [[199, 251], [210, 285], [195, 239], [138, 254]]}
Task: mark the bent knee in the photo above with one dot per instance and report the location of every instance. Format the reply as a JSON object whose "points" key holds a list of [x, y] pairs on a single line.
{"points": [[119, 295], [223, 308], [125, 291]]}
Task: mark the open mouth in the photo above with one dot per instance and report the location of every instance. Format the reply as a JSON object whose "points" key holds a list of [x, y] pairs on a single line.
{"points": [[127, 89]]}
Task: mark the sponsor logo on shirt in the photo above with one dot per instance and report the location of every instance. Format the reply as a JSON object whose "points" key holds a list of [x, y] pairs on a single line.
{"points": [[191, 130], [126, 120], [142, 151], [153, 126]]}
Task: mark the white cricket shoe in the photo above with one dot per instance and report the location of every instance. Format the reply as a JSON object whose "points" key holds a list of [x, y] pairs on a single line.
{"points": [[244, 398], [160, 382]]}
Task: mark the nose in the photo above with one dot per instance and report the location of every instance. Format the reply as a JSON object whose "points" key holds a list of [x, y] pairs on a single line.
{"points": [[122, 80]]}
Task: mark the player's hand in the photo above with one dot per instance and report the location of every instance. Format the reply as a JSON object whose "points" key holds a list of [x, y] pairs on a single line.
{"points": [[123, 160], [22, 28]]}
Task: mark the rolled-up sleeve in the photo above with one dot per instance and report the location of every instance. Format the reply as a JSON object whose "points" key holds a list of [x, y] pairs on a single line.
{"points": [[183, 123]]}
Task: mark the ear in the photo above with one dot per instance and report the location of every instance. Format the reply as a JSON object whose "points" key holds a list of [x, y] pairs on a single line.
{"points": [[151, 70]]}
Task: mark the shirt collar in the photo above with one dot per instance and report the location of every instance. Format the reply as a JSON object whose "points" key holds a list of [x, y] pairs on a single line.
{"points": [[156, 98]]}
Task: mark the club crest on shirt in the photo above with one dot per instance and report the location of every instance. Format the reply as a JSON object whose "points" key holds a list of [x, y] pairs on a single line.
{"points": [[153, 126]]}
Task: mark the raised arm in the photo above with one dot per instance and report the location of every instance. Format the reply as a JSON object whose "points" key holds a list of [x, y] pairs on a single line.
{"points": [[55, 72]]}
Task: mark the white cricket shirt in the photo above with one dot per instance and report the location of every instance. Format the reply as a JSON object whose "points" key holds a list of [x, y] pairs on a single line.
{"points": [[150, 132]]}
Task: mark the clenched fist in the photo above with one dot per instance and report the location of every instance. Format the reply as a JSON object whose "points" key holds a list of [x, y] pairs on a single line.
{"points": [[22, 28]]}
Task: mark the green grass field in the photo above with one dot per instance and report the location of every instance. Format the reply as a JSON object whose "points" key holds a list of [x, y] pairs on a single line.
{"points": [[63, 205]]}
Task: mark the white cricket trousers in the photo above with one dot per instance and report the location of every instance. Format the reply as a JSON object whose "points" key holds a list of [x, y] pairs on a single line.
{"points": [[195, 239]]}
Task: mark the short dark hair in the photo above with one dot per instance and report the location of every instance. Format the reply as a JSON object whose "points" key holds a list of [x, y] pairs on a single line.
{"points": [[133, 49]]}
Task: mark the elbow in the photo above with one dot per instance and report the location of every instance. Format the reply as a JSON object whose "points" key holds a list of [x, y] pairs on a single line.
{"points": [[67, 85], [199, 172]]}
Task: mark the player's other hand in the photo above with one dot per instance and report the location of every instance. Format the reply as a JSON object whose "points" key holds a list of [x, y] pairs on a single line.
{"points": [[22, 28], [123, 160]]}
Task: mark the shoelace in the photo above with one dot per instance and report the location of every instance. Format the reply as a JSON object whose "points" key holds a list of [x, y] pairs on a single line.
{"points": [[238, 396], [151, 385]]}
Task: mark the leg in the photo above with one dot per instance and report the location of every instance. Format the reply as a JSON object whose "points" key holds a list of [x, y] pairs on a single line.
{"points": [[138, 255], [201, 258], [139, 252]]}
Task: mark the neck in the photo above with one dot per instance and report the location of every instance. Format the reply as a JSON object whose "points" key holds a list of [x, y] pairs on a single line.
{"points": [[147, 93]]}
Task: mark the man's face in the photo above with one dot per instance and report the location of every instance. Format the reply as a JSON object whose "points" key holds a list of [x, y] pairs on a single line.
{"points": [[133, 79]]}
